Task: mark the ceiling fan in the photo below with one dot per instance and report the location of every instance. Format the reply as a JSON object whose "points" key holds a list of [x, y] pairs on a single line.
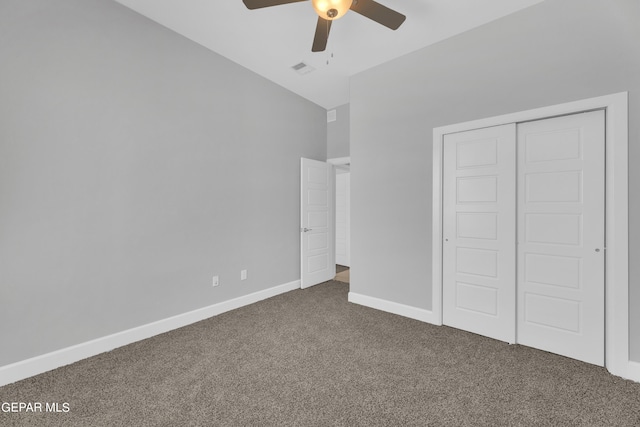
{"points": [[329, 10]]}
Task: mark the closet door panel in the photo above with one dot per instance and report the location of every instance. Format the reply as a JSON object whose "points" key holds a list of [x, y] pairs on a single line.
{"points": [[561, 235], [479, 231]]}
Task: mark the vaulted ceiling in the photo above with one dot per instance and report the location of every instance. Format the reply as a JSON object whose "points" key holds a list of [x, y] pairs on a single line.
{"points": [[270, 41]]}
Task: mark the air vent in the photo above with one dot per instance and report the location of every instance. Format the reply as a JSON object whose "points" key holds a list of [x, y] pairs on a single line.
{"points": [[331, 116], [302, 68]]}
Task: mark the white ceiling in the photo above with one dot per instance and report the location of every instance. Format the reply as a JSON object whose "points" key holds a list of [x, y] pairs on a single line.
{"points": [[271, 40]]}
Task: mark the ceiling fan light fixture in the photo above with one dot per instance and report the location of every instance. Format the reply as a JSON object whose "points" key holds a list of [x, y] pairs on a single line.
{"points": [[331, 9]]}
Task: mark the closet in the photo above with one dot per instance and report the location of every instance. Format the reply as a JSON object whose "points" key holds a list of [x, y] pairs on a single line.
{"points": [[523, 222]]}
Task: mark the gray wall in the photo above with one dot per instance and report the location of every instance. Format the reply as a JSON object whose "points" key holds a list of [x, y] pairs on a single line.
{"points": [[134, 165], [338, 134], [557, 51]]}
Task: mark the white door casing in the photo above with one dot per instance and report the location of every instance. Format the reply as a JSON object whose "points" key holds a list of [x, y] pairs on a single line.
{"points": [[317, 222], [479, 263], [343, 220], [561, 235]]}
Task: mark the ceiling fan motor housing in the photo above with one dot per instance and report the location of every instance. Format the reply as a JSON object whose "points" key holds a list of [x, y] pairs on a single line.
{"points": [[331, 9]]}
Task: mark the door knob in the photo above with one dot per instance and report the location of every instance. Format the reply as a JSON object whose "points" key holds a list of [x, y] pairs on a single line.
{"points": [[305, 229]]}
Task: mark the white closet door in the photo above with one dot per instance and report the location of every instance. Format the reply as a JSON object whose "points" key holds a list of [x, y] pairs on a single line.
{"points": [[479, 201], [561, 235]]}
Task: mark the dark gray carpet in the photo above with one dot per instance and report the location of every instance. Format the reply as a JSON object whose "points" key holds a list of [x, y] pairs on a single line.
{"points": [[309, 357]]}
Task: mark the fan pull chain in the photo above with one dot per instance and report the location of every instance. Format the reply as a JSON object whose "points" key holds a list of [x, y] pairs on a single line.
{"points": [[328, 59]]}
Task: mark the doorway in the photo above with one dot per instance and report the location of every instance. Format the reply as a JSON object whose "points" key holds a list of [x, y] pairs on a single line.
{"points": [[343, 218], [325, 218]]}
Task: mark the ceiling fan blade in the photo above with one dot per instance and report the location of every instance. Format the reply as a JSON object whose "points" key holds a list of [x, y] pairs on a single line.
{"points": [[258, 4], [322, 35], [379, 13]]}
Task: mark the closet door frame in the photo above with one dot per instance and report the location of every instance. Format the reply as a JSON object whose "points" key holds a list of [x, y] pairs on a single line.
{"points": [[616, 209]]}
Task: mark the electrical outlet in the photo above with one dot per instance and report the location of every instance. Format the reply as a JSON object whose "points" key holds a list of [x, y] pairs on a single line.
{"points": [[216, 281], [243, 275]]}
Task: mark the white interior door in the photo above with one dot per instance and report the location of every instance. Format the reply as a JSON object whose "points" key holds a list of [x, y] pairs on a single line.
{"points": [[343, 218], [317, 219], [479, 261], [561, 235]]}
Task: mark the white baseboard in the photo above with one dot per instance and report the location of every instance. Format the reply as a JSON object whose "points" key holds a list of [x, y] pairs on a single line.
{"points": [[633, 371], [46, 362], [393, 307]]}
